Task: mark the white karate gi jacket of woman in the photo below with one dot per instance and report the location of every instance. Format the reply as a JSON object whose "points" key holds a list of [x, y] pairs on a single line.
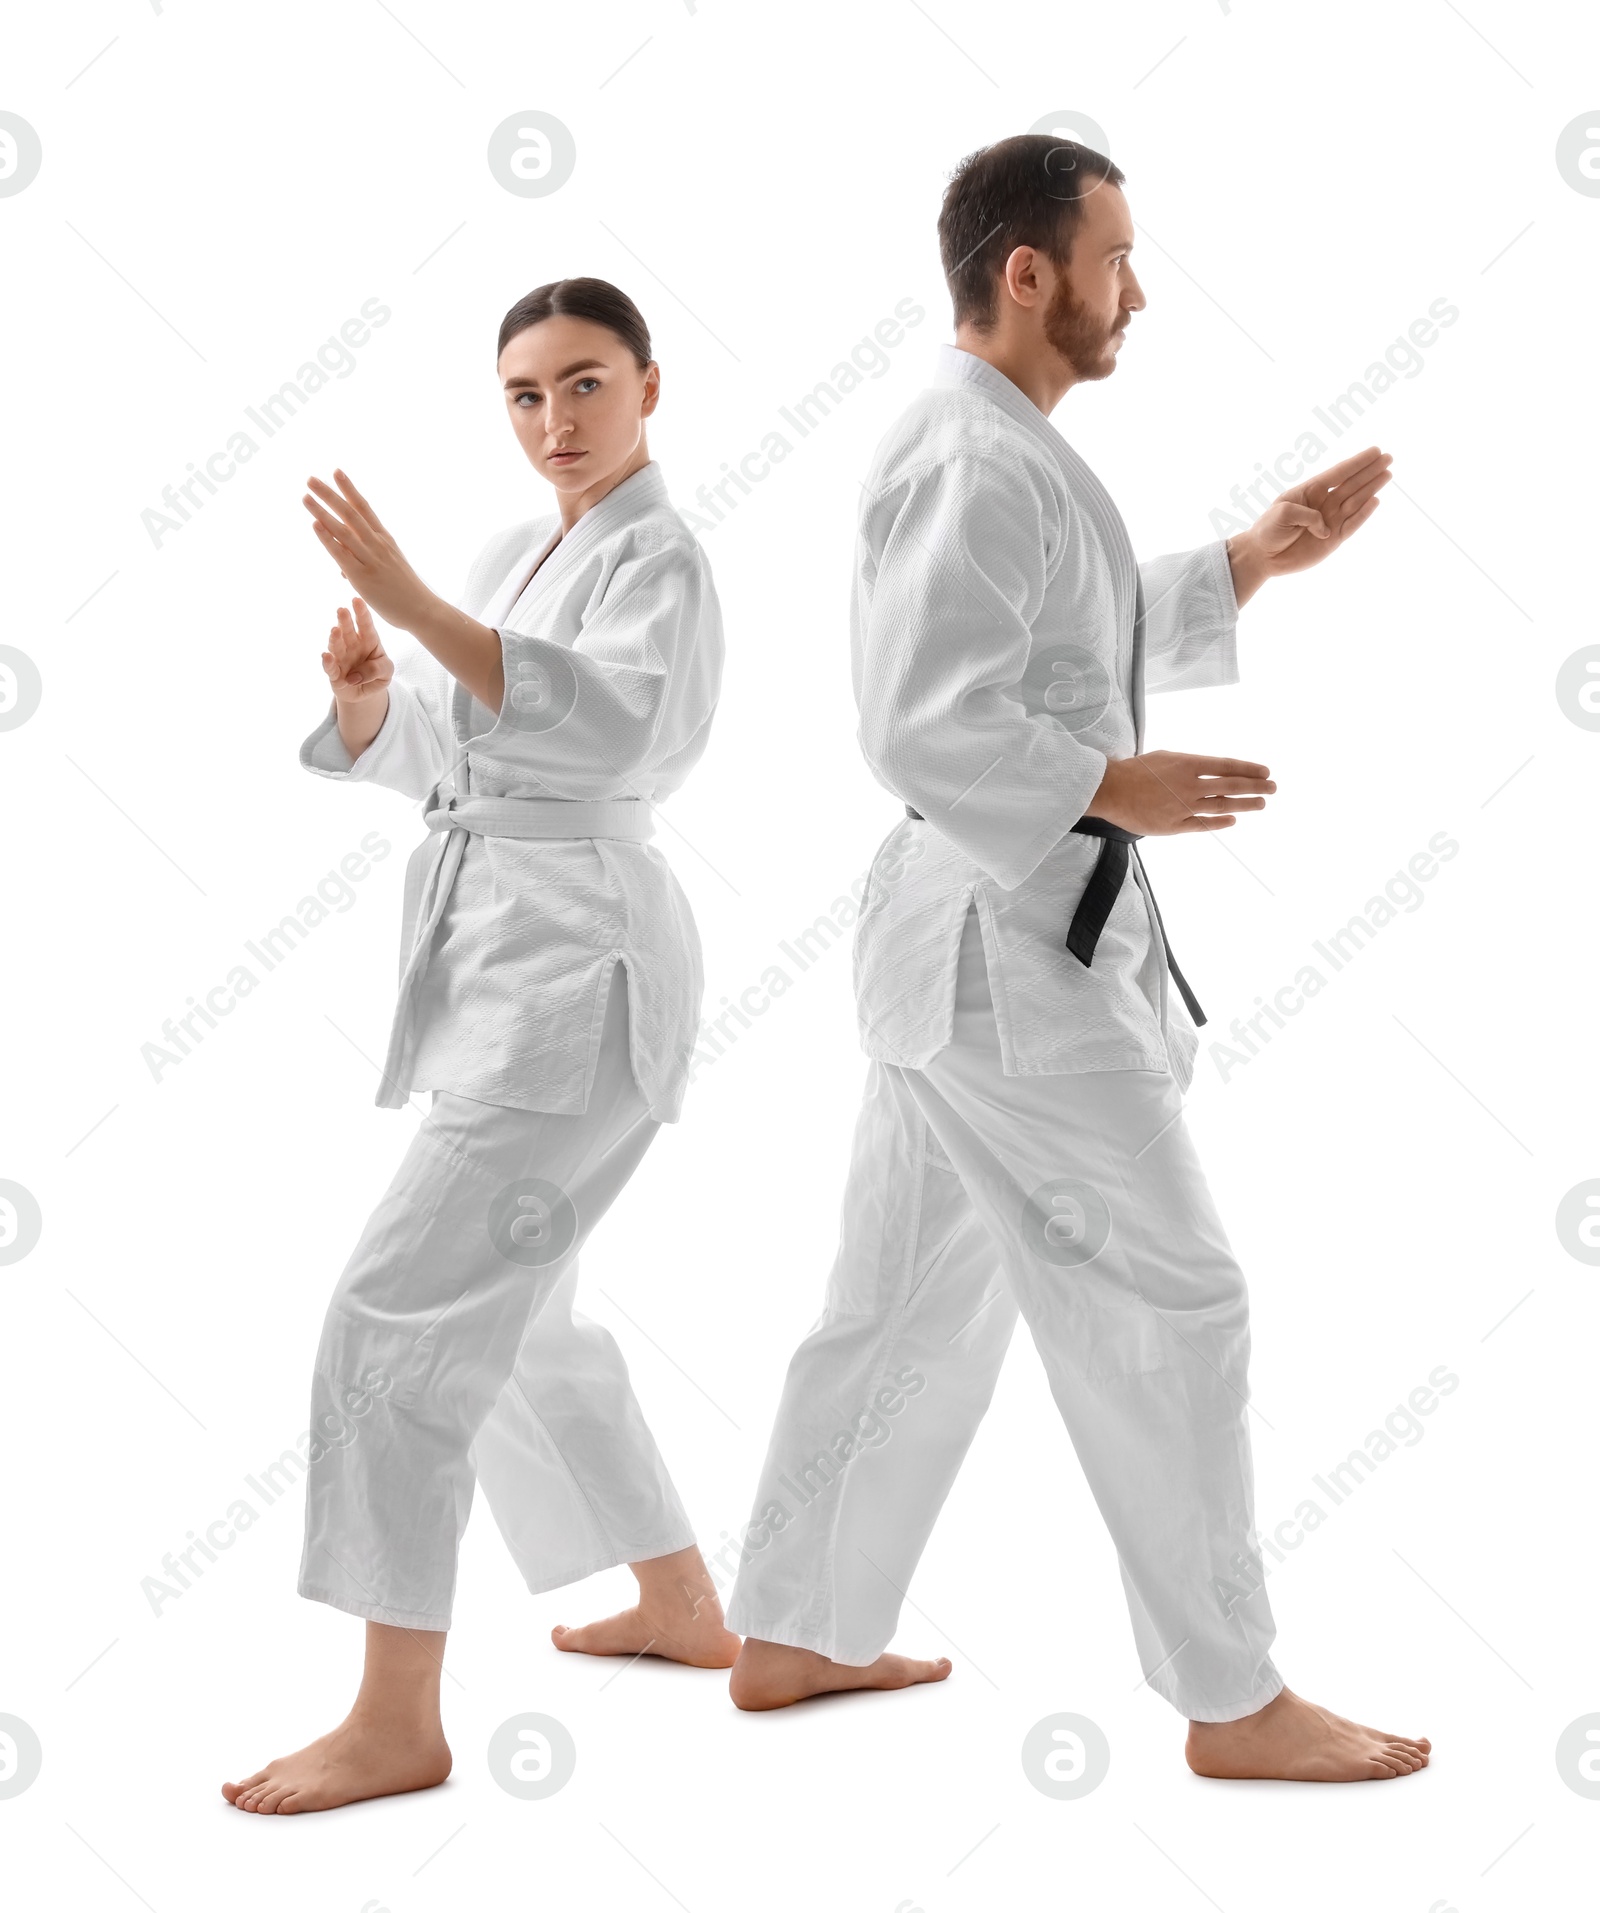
{"points": [[992, 634], [507, 995]]}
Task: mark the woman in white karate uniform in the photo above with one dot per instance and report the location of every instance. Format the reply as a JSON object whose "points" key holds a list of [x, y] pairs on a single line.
{"points": [[549, 994]]}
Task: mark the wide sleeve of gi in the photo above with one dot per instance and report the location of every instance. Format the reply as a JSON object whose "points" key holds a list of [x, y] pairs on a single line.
{"points": [[957, 557], [410, 752], [1191, 620], [635, 688]]}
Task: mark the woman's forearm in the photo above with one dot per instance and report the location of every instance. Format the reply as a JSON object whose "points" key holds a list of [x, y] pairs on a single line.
{"points": [[469, 651]]}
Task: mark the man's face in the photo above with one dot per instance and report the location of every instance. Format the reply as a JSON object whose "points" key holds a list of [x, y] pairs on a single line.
{"points": [[1096, 293]]}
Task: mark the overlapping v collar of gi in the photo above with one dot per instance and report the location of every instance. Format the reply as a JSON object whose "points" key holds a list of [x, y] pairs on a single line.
{"points": [[955, 366], [643, 491], [637, 494]]}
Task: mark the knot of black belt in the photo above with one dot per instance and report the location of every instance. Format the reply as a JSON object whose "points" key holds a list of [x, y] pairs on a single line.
{"points": [[1101, 892]]}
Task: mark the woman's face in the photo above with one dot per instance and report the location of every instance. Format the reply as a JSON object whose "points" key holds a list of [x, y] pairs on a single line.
{"points": [[577, 400]]}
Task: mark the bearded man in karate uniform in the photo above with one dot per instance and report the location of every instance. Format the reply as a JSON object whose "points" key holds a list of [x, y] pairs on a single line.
{"points": [[1021, 1144]]}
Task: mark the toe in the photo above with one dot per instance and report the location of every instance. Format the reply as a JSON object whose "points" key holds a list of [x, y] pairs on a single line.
{"points": [[914, 1673], [591, 1638], [1397, 1740], [1386, 1735], [619, 1634]]}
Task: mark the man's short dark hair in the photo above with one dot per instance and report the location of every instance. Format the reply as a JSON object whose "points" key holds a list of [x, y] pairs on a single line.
{"points": [[1024, 191]]}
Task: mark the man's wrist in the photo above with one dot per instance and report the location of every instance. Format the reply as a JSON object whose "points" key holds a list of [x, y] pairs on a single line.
{"points": [[1106, 791], [1246, 566]]}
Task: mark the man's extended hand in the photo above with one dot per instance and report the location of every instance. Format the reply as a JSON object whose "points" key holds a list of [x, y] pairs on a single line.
{"points": [[1302, 525], [1165, 793]]}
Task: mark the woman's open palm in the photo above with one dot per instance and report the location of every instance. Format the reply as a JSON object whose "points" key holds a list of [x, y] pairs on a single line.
{"points": [[357, 665], [366, 553]]}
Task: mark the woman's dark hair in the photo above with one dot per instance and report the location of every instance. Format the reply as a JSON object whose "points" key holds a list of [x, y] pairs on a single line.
{"points": [[1024, 191], [595, 299]]}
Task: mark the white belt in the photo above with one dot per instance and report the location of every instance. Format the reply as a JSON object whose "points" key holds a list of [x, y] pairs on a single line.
{"points": [[431, 875], [627, 818]]}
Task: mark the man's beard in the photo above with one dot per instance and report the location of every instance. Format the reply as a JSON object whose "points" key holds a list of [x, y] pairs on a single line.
{"points": [[1082, 340]]}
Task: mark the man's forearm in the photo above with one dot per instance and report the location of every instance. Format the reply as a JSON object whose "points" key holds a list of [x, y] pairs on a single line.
{"points": [[469, 651]]}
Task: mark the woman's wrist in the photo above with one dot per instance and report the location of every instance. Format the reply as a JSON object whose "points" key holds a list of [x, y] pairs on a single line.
{"points": [[431, 617], [359, 720]]}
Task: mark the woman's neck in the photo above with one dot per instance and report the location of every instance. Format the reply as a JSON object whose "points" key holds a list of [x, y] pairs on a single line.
{"points": [[575, 504]]}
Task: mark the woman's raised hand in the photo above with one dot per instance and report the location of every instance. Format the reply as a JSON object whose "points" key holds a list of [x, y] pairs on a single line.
{"points": [[352, 535], [358, 667], [359, 670], [365, 553]]}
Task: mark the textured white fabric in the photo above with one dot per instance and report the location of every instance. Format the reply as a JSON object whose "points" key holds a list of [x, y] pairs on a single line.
{"points": [[443, 1361], [992, 634], [622, 612], [954, 1215]]}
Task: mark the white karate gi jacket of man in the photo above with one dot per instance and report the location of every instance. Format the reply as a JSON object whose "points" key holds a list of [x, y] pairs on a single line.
{"points": [[1020, 1147], [992, 635], [503, 994]]}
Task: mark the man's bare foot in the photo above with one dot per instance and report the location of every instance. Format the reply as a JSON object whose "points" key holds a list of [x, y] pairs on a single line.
{"points": [[678, 1617], [770, 1675], [359, 1760], [1292, 1739]]}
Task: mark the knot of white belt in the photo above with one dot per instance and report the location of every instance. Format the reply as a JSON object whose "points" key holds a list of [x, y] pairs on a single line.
{"points": [[431, 875]]}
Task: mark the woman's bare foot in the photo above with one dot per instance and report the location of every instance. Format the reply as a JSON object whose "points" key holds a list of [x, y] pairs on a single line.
{"points": [[357, 1761], [678, 1617], [769, 1675], [1292, 1739], [390, 1742]]}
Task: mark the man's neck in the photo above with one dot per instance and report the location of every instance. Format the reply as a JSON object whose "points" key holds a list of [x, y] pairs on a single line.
{"points": [[1034, 368]]}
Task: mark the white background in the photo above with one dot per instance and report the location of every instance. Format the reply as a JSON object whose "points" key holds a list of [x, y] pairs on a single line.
{"points": [[221, 190]]}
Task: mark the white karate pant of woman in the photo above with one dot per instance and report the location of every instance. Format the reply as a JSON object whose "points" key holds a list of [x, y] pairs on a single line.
{"points": [[1077, 1198], [459, 1295]]}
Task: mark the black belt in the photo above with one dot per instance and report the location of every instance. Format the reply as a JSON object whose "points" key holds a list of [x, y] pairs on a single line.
{"points": [[1101, 892]]}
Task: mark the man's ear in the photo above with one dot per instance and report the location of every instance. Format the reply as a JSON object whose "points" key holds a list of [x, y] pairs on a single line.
{"points": [[1030, 288]]}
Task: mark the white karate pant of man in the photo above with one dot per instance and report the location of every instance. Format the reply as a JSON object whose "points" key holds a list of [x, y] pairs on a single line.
{"points": [[454, 1315], [1078, 1199]]}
